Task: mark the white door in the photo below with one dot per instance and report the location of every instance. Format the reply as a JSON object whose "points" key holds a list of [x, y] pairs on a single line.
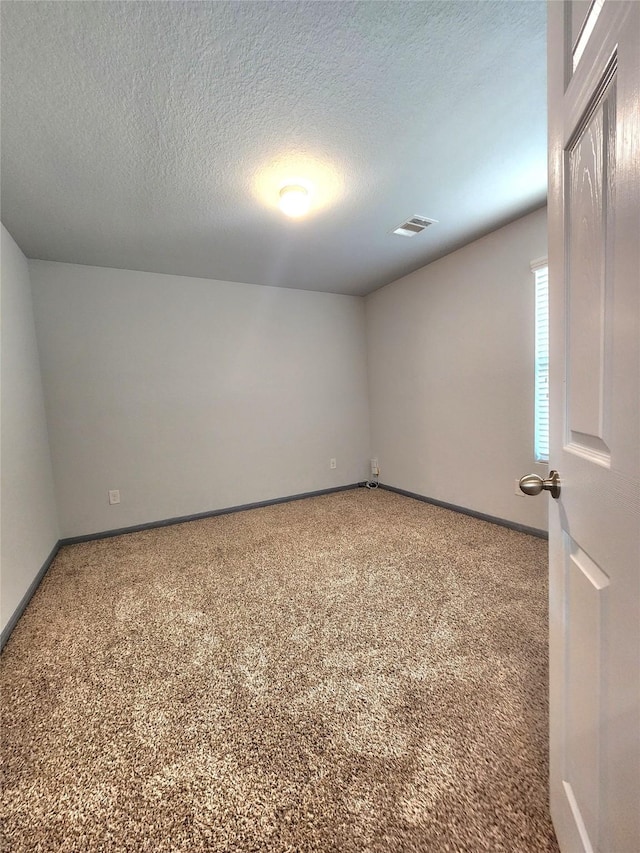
{"points": [[594, 526]]}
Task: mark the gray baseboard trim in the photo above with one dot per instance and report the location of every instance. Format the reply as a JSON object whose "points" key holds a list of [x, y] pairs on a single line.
{"points": [[26, 598], [503, 522], [106, 534], [181, 519]]}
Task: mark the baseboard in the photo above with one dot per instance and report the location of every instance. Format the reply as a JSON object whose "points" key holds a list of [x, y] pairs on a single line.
{"points": [[181, 519], [106, 534], [503, 522], [26, 598]]}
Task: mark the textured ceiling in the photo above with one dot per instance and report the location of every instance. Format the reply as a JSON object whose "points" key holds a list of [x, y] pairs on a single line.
{"points": [[156, 135]]}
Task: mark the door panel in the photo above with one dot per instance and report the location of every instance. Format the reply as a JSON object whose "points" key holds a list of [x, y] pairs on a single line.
{"points": [[578, 10], [586, 608], [594, 528], [582, 16], [588, 200]]}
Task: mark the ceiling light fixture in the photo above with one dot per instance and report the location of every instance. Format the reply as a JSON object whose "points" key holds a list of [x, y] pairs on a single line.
{"points": [[294, 200]]}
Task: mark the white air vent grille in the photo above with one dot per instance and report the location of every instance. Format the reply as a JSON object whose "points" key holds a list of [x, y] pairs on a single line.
{"points": [[413, 226]]}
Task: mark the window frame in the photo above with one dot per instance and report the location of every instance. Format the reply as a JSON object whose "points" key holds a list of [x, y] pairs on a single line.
{"points": [[540, 270]]}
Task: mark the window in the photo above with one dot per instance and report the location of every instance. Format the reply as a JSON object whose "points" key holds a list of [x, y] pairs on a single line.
{"points": [[541, 407]]}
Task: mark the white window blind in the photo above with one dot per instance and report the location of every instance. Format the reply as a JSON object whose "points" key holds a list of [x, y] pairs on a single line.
{"points": [[541, 424]]}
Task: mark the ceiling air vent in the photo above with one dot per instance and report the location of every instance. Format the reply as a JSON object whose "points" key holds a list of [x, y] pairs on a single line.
{"points": [[413, 226]]}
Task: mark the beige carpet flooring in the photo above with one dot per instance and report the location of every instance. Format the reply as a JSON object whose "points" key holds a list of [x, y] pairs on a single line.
{"points": [[354, 672]]}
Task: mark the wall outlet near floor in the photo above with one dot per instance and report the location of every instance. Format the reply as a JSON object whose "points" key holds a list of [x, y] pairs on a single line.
{"points": [[375, 470], [333, 463], [114, 496]]}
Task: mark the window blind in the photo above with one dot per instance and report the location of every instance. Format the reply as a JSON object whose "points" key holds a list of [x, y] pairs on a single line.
{"points": [[541, 426]]}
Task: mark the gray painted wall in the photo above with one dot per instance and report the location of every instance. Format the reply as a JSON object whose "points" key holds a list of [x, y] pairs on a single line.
{"points": [[190, 395], [450, 355], [29, 527]]}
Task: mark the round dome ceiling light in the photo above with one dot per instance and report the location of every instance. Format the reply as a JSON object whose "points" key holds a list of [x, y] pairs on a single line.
{"points": [[294, 200]]}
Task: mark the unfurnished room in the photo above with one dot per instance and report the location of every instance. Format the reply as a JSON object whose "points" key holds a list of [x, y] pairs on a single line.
{"points": [[320, 426]]}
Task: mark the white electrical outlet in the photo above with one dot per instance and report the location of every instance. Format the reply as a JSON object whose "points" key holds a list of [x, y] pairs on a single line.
{"points": [[333, 463], [114, 496], [374, 468]]}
